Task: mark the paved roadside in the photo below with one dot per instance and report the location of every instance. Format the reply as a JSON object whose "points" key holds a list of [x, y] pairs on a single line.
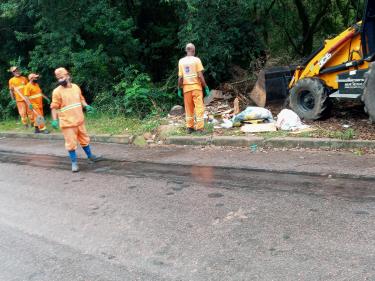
{"points": [[227, 141], [117, 221], [310, 162]]}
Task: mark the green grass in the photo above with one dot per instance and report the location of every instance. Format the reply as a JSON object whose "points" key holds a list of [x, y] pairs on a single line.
{"points": [[277, 134], [232, 132], [348, 134], [11, 125], [120, 125], [181, 131], [100, 124]]}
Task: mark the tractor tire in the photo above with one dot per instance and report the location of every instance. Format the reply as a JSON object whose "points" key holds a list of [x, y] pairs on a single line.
{"points": [[368, 96], [309, 99]]}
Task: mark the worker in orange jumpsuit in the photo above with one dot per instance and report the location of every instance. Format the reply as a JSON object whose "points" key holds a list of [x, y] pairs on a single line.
{"points": [[17, 86], [191, 83], [67, 112], [35, 96]]}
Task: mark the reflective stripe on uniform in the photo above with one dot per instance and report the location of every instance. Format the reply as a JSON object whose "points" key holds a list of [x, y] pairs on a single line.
{"points": [[200, 119], [36, 96], [191, 76], [189, 118], [19, 87], [71, 106]]}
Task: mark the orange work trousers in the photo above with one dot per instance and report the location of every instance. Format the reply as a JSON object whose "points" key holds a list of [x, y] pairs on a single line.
{"points": [[75, 135], [193, 101], [38, 110], [24, 112]]}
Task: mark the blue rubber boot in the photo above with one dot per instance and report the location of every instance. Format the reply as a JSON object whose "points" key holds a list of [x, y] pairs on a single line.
{"points": [[90, 156], [73, 159]]}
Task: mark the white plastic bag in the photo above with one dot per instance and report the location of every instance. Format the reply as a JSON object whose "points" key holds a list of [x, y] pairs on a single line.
{"points": [[288, 120], [227, 124]]}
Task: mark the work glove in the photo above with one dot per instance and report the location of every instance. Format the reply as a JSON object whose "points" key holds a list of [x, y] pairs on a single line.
{"points": [[13, 103], [179, 93], [31, 106], [207, 92], [47, 99], [55, 124], [89, 109]]}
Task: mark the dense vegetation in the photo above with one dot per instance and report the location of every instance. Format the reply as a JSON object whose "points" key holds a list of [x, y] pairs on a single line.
{"points": [[124, 53]]}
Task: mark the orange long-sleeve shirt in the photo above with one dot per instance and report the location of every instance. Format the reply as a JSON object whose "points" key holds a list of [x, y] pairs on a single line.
{"points": [[18, 84], [34, 93], [68, 101]]}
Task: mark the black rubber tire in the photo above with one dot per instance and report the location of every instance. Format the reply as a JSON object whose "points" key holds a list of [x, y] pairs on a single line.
{"points": [[368, 96], [309, 99]]}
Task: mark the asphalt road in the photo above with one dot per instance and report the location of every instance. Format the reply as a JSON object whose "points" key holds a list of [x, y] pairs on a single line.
{"points": [[135, 220]]}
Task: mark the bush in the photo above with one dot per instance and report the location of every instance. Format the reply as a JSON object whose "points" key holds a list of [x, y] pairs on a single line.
{"points": [[134, 95], [6, 111]]}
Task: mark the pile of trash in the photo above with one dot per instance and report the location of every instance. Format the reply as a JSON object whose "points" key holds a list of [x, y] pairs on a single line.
{"points": [[253, 119], [259, 119], [222, 110]]}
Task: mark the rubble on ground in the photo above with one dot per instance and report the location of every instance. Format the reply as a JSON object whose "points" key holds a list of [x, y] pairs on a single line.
{"points": [[226, 102], [177, 110]]}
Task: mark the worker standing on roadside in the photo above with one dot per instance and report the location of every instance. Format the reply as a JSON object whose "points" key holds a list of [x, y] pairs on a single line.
{"points": [[67, 112], [17, 86], [191, 83], [35, 96]]}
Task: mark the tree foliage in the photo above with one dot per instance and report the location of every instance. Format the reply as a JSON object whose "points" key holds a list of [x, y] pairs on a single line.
{"points": [[130, 48]]}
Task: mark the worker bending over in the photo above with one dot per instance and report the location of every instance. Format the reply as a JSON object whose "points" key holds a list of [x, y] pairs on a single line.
{"points": [[17, 86], [191, 83], [67, 112], [35, 96]]}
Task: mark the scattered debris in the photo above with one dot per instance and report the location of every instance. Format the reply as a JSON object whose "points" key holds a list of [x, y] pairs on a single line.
{"points": [[148, 136], [165, 131], [177, 110], [303, 130], [236, 106], [231, 98], [253, 148], [219, 95], [219, 109]]}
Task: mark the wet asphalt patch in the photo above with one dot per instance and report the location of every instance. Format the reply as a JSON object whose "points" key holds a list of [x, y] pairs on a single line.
{"points": [[179, 177]]}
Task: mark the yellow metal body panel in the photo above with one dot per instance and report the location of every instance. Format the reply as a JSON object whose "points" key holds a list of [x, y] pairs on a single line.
{"points": [[342, 49]]}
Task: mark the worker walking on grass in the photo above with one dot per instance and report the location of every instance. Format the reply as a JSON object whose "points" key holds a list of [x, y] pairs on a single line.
{"points": [[17, 86], [191, 83], [35, 96], [67, 112]]}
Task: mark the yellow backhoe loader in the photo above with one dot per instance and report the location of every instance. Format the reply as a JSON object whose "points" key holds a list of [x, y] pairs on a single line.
{"points": [[341, 68]]}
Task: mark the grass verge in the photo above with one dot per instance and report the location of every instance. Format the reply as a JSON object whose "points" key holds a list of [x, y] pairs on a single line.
{"points": [[98, 124]]}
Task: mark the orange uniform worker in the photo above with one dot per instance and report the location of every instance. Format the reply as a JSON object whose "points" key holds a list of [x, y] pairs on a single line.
{"points": [[191, 80], [35, 96], [17, 86], [67, 109]]}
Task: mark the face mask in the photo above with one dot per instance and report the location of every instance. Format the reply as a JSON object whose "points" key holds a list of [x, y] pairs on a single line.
{"points": [[35, 81], [63, 83]]}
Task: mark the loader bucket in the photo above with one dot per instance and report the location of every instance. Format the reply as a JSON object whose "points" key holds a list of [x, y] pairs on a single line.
{"points": [[258, 94], [272, 84]]}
